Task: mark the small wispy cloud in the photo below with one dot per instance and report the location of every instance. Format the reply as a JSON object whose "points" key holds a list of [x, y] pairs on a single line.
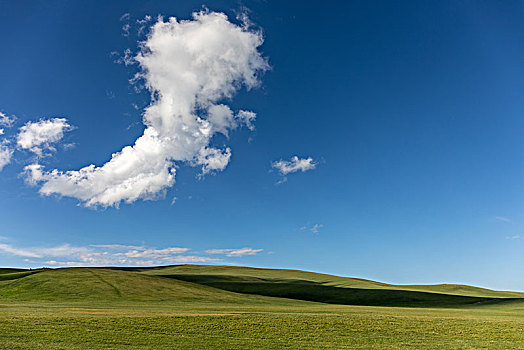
{"points": [[19, 252], [96, 259], [126, 26], [127, 58], [316, 228], [142, 23], [513, 238], [312, 228], [294, 164], [281, 181], [502, 218], [6, 120], [117, 246], [6, 153], [235, 252], [212, 160], [110, 94], [125, 29], [152, 253], [117, 255], [41, 136], [104, 255]]}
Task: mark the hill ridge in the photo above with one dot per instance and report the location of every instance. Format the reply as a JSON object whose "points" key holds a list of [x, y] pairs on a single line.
{"points": [[220, 283]]}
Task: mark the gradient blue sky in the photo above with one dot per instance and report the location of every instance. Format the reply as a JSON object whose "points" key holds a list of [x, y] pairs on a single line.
{"points": [[412, 112]]}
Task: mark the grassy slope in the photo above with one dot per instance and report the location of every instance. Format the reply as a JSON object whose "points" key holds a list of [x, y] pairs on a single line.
{"points": [[10, 270], [216, 284], [5, 276], [265, 274], [84, 284], [211, 274], [460, 289], [110, 309]]}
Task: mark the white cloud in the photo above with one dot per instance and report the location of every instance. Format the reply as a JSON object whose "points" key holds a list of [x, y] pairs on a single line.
{"points": [[213, 159], [97, 260], [315, 228], [126, 59], [281, 181], [294, 164], [117, 246], [247, 118], [5, 154], [62, 250], [6, 120], [513, 238], [20, 252], [142, 24], [125, 29], [190, 67], [192, 258], [126, 26], [104, 255], [222, 119], [41, 135], [152, 253], [235, 252], [502, 218]]}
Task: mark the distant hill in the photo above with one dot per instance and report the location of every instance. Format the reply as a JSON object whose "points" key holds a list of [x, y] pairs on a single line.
{"points": [[217, 284], [74, 284], [215, 273]]}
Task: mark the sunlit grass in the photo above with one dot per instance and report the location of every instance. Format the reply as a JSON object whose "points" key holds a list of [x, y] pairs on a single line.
{"points": [[111, 309]]}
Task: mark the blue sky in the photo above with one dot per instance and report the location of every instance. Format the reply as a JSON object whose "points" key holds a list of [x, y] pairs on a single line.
{"points": [[405, 120]]}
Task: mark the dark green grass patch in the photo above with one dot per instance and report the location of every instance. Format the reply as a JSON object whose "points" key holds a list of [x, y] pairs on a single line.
{"points": [[312, 291], [7, 276], [207, 273], [10, 270]]}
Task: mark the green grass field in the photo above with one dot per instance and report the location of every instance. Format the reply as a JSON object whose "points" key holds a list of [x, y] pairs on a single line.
{"points": [[203, 307]]}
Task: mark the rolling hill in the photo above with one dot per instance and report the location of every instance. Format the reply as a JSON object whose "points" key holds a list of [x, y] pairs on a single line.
{"points": [[206, 274], [84, 284], [232, 284], [224, 307]]}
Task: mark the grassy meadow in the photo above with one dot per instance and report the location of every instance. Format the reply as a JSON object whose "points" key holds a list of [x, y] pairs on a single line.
{"points": [[202, 307]]}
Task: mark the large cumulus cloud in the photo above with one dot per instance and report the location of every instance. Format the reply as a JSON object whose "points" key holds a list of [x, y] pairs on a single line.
{"points": [[190, 67]]}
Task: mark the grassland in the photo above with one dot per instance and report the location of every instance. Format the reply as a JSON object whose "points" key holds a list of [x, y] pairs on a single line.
{"points": [[237, 273], [154, 308]]}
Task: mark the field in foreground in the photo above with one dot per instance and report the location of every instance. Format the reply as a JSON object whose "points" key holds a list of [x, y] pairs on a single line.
{"points": [[114, 309]]}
